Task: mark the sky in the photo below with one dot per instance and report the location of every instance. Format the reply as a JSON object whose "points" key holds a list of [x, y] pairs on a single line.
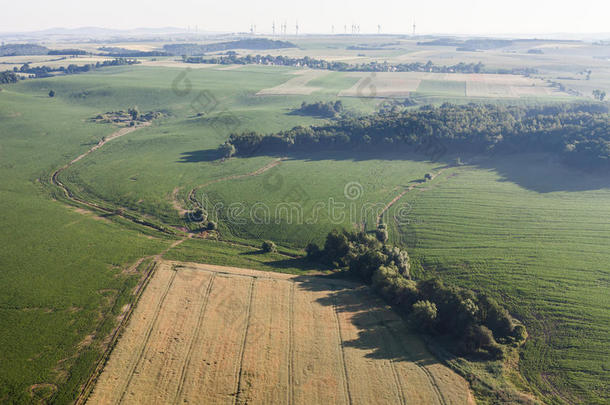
{"points": [[477, 17]]}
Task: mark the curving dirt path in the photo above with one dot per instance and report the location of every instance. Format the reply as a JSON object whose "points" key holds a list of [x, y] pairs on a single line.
{"points": [[70, 196], [405, 191], [191, 196]]}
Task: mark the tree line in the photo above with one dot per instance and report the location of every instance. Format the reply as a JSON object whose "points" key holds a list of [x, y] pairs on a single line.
{"points": [[329, 109], [231, 58], [578, 133], [280, 60], [474, 321], [45, 71], [246, 43]]}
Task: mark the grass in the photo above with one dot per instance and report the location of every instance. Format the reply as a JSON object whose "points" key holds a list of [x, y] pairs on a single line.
{"points": [[528, 232], [61, 269]]}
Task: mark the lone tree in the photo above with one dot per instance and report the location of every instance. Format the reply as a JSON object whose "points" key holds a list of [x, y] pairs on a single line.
{"points": [[134, 112], [212, 226], [428, 176], [599, 94], [382, 233], [313, 251], [52, 93], [268, 246], [227, 149]]}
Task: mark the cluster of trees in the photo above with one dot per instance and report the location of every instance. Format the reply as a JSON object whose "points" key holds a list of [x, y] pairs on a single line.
{"points": [[124, 52], [67, 52], [578, 133], [45, 71], [232, 58], [8, 77], [599, 94], [268, 247], [248, 43], [329, 109], [476, 322], [23, 49]]}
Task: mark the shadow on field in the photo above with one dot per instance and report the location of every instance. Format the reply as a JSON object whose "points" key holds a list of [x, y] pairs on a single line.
{"points": [[545, 173], [540, 172], [299, 262], [207, 155], [381, 332]]}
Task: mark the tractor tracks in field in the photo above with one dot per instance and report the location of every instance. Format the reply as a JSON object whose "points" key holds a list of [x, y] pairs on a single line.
{"points": [[192, 195], [191, 347], [97, 207], [143, 346], [422, 367], [344, 372], [242, 350], [291, 360]]}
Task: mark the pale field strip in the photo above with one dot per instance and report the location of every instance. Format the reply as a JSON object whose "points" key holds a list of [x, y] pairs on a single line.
{"points": [[296, 85], [382, 84], [402, 84], [204, 334]]}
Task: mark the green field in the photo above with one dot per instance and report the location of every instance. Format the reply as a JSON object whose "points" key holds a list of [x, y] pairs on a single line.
{"points": [[530, 232]]}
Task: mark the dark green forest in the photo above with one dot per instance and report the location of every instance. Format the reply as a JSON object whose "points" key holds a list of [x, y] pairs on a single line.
{"points": [[577, 133]]}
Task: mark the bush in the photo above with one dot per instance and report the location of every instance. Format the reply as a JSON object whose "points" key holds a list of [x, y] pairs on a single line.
{"points": [[268, 247], [52, 93], [520, 333], [495, 352], [428, 176], [212, 226], [382, 235], [197, 215], [134, 112], [423, 315], [313, 251], [400, 258], [336, 247], [227, 150]]}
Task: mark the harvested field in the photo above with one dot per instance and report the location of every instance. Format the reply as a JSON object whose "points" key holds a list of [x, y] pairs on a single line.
{"points": [[297, 84], [402, 84], [219, 335], [382, 84]]}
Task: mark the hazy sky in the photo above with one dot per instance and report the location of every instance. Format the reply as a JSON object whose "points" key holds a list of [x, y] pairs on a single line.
{"points": [[316, 16]]}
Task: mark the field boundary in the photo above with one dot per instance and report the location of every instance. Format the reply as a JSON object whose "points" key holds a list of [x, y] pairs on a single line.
{"points": [[147, 337], [116, 334], [346, 386], [242, 349]]}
